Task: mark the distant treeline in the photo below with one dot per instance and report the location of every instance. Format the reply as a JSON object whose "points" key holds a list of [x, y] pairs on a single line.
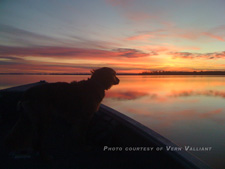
{"points": [[143, 73], [44, 73], [183, 73], [60, 73]]}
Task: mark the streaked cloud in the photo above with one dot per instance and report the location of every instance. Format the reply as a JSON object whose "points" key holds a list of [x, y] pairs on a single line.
{"points": [[189, 55], [174, 32], [69, 52], [21, 37], [213, 36], [132, 53]]}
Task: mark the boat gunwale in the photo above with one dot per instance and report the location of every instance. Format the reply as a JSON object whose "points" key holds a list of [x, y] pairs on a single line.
{"points": [[23, 88], [184, 157]]}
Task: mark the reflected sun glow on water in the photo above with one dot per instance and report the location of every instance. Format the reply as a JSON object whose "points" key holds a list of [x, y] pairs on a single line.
{"points": [[189, 110]]}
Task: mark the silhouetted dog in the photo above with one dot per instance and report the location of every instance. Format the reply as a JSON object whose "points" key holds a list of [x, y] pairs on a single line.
{"points": [[76, 102]]}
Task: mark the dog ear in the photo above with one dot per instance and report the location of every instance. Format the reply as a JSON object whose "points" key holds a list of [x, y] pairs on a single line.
{"points": [[92, 71]]}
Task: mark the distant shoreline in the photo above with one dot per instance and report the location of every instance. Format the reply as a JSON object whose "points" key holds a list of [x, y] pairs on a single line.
{"points": [[143, 73], [184, 73]]}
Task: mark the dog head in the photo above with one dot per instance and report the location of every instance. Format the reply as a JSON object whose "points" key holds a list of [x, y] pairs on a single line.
{"points": [[105, 76]]}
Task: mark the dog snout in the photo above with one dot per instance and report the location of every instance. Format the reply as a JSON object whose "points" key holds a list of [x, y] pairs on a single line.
{"points": [[117, 81]]}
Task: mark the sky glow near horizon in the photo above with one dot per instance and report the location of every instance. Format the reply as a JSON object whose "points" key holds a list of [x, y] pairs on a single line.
{"points": [[127, 35]]}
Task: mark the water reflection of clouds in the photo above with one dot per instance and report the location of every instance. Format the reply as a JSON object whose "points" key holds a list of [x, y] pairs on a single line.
{"points": [[168, 108], [188, 93], [132, 95], [127, 95], [149, 97]]}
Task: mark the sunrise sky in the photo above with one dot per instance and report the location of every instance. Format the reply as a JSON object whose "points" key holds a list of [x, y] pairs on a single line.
{"points": [[71, 36]]}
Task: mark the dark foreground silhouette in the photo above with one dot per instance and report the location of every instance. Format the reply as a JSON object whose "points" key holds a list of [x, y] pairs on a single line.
{"points": [[75, 102], [117, 141]]}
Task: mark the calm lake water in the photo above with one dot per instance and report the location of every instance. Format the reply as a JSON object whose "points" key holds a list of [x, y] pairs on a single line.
{"points": [[188, 110]]}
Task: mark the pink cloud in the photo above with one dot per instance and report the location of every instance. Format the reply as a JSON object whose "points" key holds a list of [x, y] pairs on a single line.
{"points": [[172, 32], [198, 34], [193, 35], [214, 36], [66, 52]]}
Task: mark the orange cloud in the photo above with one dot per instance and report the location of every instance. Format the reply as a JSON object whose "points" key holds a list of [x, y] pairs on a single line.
{"points": [[166, 48]]}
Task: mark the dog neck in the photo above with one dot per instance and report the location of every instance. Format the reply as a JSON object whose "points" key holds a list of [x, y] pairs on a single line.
{"points": [[97, 84]]}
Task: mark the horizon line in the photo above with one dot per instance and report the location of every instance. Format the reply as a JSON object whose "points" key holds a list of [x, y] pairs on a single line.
{"points": [[160, 72]]}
